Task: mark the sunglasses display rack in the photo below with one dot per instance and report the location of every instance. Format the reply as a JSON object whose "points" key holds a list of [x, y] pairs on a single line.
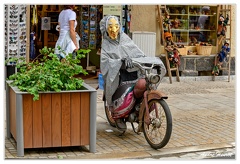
{"points": [[6, 31], [15, 31]]}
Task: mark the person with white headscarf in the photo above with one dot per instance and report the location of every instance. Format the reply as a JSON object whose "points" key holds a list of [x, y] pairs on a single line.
{"points": [[116, 67]]}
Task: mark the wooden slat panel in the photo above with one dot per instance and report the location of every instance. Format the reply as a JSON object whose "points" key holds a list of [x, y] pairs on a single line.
{"points": [[28, 120], [85, 118], [12, 112], [75, 119], [62, 120], [56, 120], [37, 123], [66, 119], [46, 115]]}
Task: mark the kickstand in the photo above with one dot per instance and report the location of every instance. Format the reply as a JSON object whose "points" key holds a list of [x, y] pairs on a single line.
{"points": [[134, 129]]}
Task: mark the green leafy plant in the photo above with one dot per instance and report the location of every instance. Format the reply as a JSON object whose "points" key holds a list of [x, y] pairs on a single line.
{"points": [[48, 73]]}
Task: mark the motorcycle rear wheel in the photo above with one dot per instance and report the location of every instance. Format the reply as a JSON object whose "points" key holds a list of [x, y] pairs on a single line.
{"points": [[109, 115], [159, 131]]}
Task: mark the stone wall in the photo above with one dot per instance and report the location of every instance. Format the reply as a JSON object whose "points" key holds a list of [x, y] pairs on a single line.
{"points": [[200, 65]]}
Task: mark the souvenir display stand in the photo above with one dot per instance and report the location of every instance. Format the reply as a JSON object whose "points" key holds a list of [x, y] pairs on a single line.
{"points": [[15, 33], [93, 27], [84, 26], [89, 27]]}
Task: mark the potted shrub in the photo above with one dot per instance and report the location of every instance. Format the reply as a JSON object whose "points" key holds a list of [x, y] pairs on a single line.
{"points": [[48, 105]]}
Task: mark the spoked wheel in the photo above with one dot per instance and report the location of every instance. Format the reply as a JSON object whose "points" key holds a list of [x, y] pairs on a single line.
{"points": [[109, 116], [159, 129]]}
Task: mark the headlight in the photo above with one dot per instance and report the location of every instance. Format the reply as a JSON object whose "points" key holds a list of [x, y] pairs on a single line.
{"points": [[153, 78]]}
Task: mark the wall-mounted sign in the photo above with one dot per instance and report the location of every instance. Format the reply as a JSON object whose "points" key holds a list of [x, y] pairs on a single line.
{"points": [[46, 23]]}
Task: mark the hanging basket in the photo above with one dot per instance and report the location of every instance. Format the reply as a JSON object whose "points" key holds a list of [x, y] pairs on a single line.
{"points": [[203, 50]]}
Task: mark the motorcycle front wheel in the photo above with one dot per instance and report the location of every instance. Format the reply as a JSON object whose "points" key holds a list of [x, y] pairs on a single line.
{"points": [[159, 131], [109, 115]]}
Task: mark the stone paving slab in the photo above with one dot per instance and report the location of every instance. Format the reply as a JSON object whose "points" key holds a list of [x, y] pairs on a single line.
{"points": [[203, 115]]}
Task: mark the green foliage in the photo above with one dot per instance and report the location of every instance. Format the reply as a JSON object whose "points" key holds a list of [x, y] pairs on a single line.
{"points": [[48, 73]]}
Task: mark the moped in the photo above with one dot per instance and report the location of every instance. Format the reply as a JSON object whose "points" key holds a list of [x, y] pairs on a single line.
{"points": [[152, 114]]}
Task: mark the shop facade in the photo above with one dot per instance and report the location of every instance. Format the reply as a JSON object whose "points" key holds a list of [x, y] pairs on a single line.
{"points": [[145, 18], [36, 26]]}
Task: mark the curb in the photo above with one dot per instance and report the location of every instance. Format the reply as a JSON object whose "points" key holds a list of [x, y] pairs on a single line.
{"points": [[166, 152], [191, 149]]}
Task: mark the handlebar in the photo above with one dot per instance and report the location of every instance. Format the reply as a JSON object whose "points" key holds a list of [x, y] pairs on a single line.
{"points": [[141, 66], [146, 69], [149, 65]]}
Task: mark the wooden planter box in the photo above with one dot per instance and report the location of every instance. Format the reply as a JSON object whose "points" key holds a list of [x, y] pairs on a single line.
{"points": [[57, 119]]}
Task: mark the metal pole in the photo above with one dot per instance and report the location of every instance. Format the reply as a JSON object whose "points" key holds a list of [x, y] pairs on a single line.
{"points": [[19, 125], [8, 111], [93, 116]]}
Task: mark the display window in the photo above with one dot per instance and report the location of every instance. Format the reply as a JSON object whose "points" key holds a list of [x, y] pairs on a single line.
{"points": [[192, 24]]}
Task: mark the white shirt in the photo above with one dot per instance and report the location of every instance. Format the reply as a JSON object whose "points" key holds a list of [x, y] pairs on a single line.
{"points": [[64, 39], [64, 17]]}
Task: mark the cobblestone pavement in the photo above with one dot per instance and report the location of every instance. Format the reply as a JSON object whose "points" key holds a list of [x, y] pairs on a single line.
{"points": [[203, 119]]}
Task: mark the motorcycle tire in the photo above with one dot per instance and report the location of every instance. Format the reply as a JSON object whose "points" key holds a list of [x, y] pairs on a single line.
{"points": [[109, 115], [159, 131]]}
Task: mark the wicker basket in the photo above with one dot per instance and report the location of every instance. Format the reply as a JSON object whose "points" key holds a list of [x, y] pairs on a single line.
{"points": [[183, 51], [203, 50]]}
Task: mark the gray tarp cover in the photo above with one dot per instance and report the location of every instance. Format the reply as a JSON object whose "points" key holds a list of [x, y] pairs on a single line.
{"points": [[112, 51]]}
